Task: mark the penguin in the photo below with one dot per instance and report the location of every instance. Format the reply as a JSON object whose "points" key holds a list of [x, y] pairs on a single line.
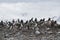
{"points": [[49, 19], [36, 20], [22, 21], [1, 24], [31, 20], [13, 21], [18, 20]]}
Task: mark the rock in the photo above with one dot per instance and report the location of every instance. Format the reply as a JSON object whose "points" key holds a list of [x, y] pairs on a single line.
{"points": [[37, 32], [58, 32], [48, 28]]}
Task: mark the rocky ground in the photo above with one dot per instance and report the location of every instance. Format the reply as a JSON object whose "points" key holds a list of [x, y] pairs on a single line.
{"points": [[29, 35]]}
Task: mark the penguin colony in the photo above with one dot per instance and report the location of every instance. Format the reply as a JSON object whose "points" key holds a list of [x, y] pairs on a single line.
{"points": [[29, 27]]}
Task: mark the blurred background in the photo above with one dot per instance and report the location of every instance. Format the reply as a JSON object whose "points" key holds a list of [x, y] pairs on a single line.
{"points": [[26, 9]]}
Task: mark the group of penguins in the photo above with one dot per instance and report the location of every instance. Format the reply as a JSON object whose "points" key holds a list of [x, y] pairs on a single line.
{"points": [[33, 25]]}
